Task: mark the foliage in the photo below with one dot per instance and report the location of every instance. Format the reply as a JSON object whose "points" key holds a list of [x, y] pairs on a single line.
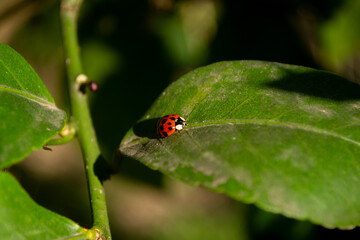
{"points": [[276, 135], [283, 137], [29, 117], [22, 218]]}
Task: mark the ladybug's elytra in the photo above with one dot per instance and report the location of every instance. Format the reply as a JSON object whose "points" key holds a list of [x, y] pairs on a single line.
{"points": [[170, 124]]}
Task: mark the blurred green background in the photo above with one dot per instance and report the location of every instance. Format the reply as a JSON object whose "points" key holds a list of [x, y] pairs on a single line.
{"points": [[134, 49]]}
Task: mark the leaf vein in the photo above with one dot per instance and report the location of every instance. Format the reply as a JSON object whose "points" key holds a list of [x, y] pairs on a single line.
{"points": [[27, 95], [304, 127]]}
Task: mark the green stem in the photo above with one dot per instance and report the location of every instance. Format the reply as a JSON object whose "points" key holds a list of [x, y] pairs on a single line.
{"points": [[81, 116]]}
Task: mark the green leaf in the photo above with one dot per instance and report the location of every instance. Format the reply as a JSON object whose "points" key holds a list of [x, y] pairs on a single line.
{"points": [[22, 218], [29, 117], [286, 138]]}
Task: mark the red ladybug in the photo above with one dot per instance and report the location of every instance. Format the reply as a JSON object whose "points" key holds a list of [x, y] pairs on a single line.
{"points": [[170, 124]]}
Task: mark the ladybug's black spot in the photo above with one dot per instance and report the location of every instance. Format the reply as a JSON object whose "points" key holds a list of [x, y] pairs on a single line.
{"points": [[163, 121], [172, 118], [169, 123], [165, 134], [165, 116], [170, 128], [162, 128]]}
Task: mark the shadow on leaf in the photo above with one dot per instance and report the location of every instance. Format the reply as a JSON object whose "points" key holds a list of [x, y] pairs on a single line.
{"points": [[319, 84], [147, 128]]}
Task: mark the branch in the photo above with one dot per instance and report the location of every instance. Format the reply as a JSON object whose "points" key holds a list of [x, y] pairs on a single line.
{"points": [[81, 116]]}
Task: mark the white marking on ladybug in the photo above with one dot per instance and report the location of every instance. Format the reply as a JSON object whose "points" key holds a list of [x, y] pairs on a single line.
{"points": [[179, 127]]}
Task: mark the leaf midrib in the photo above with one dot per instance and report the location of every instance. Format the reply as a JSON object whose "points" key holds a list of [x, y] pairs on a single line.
{"points": [[291, 125], [27, 95]]}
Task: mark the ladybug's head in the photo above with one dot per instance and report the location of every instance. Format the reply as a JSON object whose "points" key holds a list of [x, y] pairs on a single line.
{"points": [[180, 123]]}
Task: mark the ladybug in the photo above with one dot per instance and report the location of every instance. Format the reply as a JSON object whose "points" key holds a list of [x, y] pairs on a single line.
{"points": [[170, 124]]}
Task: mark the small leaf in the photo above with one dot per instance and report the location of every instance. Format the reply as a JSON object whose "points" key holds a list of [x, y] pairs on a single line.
{"points": [[29, 117], [286, 138], [22, 218]]}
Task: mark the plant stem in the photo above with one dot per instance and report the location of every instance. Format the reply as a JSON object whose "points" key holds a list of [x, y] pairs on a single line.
{"points": [[81, 116]]}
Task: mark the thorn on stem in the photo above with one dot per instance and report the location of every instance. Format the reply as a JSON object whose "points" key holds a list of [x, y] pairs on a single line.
{"points": [[83, 82]]}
